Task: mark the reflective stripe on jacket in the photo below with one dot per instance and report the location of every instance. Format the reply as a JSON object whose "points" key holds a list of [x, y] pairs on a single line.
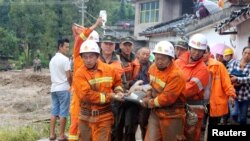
{"points": [[80, 35], [168, 84], [76, 55], [196, 75], [94, 88]]}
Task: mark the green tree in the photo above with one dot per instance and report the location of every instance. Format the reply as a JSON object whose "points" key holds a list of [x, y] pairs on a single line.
{"points": [[8, 44], [38, 24], [94, 7], [4, 13], [130, 11], [122, 11], [28, 23]]}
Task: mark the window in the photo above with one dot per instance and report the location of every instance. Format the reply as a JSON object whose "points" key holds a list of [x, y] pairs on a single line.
{"points": [[149, 12]]}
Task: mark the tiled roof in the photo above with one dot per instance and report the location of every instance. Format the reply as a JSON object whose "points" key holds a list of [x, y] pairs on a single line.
{"points": [[175, 25], [235, 18]]}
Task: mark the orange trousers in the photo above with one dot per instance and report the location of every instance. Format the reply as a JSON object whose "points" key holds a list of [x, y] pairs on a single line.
{"points": [[74, 114], [193, 133], [164, 129], [97, 131], [73, 129]]}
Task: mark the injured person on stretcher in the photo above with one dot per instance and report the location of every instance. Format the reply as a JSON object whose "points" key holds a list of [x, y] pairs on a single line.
{"points": [[138, 92]]}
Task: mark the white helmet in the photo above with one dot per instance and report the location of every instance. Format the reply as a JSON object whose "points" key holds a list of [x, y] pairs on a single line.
{"points": [[94, 36], [198, 41], [89, 46], [165, 48]]}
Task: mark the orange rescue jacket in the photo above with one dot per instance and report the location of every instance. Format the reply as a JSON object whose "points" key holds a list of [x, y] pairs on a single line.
{"points": [[221, 88], [168, 86], [94, 89], [74, 106], [80, 34], [196, 75]]}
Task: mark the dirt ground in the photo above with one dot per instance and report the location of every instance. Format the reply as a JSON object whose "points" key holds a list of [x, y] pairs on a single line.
{"points": [[24, 97]]}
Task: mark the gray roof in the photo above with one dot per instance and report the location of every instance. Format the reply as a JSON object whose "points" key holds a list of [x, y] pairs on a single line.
{"points": [[187, 24], [236, 16], [175, 26]]}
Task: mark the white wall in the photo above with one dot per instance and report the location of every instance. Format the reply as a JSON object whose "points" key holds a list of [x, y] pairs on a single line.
{"points": [[168, 10], [141, 27], [236, 41], [242, 37]]}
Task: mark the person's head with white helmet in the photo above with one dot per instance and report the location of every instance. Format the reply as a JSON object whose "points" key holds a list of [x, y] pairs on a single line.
{"points": [[198, 46], [164, 54], [89, 52], [94, 36]]}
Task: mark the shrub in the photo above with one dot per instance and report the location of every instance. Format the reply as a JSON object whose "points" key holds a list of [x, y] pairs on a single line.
{"points": [[27, 133]]}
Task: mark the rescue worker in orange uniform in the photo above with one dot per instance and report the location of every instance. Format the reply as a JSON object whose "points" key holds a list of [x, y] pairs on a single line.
{"points": [[197, 77], [221, 91], [108, 54], [126, 112], [80, 34], [96, 84], [79, 40], [166, 120]]}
